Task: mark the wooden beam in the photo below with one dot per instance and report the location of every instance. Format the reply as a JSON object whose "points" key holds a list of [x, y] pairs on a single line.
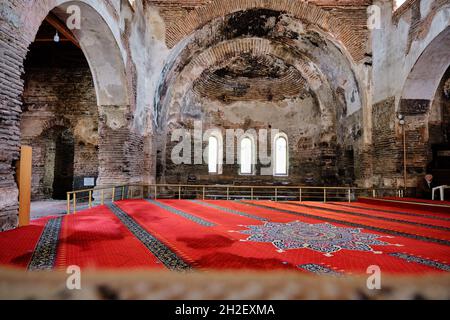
{"points": [[51, 40], [62, 28], [24, 182]]}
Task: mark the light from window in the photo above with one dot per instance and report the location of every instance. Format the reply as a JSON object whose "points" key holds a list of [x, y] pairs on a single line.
{"points": [[213, 155], [398, 3], [280, 156], [246, 156]]}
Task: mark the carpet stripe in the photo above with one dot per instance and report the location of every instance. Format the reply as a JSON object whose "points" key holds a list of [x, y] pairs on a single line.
{"points": [[423, 261], [229, 210], [391, 211], [44, 255], [182, 213], [358, 214], [319, 269], [352, 224], [164, 254]]}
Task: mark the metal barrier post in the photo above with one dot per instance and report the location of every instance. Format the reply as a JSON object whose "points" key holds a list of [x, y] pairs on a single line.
{"points": [[287, 192], [74, 202]]}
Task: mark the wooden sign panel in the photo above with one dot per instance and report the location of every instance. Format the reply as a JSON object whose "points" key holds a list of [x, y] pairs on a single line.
{"points": [[24, 182]]}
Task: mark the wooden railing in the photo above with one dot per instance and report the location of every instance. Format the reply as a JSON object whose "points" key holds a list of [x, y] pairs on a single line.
{"points": [[88, 198]]}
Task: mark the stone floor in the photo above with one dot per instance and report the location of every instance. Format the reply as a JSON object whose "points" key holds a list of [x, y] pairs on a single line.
{"points": [[50, 207], [45, 208]]}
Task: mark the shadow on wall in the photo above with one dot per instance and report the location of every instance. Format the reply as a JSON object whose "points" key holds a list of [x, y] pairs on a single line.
{"points": [[53, 164]]}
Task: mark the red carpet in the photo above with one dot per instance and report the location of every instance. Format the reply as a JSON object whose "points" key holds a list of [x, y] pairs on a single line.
{"points": [[411, 203], [97, 239], [330, 238], [16, 246], [426, 201], [202, 246], [412, 225], [435, 216], [362, 221]]}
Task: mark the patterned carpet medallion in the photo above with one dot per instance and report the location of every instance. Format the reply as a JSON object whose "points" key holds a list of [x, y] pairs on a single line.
{"points": [[322, 237]]}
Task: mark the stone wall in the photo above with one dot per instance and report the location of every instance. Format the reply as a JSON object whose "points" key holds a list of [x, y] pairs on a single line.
{"points": [[387, 145], [12, 50], [59, 93], [346, 21], [163, 64], [106, 42], [410, 53], [264, 69]]}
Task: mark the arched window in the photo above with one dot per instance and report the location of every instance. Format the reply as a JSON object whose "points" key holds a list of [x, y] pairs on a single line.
{"points": [[213, 154], [281, 156], [246, 156]]}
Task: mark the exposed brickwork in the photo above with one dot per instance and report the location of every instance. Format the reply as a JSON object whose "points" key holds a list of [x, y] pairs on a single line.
{"points": [[387, 146], [299, 66], [238, 63], [120, 150], [12, 52], [273, 85], [414, 106], [19, 24], [59, 93], [330, 21]]}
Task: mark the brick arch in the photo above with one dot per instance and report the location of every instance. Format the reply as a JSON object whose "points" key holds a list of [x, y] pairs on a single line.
{"points": [[99, 39], [299, 9], [222, 52], [56, 122], [257, 46], [37, 10], [423, 80]]}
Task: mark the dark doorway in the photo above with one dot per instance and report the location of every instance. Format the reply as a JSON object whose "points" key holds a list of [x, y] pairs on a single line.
{"points": [[64, 158]]}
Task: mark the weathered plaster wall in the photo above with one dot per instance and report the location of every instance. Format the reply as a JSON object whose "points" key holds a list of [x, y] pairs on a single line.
{"points": [[262, 69], [400, 42], [410, 57]]}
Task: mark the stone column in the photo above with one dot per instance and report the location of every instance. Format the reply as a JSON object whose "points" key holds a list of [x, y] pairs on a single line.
{"points": [[121, 150], [13, 48]]}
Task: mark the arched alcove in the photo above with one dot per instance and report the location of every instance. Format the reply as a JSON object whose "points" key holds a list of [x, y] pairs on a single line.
{"points": [[260, 68], [424, 104], [79, 81]]}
